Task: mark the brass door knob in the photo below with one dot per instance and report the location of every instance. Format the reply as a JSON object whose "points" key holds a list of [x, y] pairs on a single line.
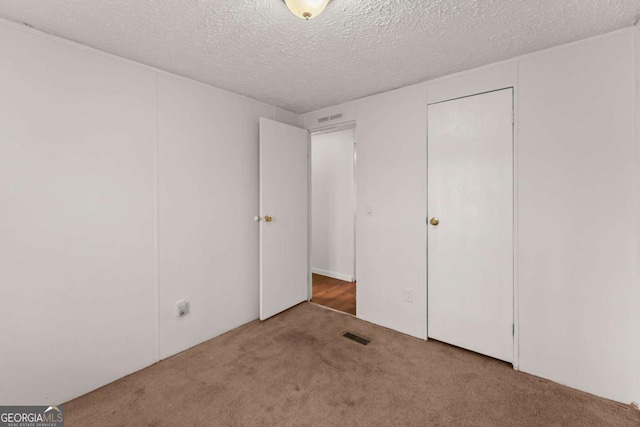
{"points": [[434, 221], [268, 218]]}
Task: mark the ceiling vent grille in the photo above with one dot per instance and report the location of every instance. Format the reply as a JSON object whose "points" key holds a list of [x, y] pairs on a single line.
{"points": [[329, 118]]}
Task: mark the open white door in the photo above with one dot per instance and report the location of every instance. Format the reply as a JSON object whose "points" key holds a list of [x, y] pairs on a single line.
{"points": [[470, 202], [283, 217]]}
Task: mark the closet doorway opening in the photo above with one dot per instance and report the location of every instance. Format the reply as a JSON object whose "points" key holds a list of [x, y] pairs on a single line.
{"points": [[333, 218]]}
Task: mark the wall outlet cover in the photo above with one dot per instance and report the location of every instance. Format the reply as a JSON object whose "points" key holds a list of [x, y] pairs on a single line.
{"points": [[408, 295]]}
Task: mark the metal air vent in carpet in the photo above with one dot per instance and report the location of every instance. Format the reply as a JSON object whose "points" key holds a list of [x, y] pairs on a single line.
{"points": [[356, 338]]}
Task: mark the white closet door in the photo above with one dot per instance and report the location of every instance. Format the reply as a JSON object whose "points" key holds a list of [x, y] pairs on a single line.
{"points": [[470, 193]]}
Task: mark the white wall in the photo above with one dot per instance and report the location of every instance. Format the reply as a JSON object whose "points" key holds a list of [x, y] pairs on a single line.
{"points": [[577, 287], [77, 136], [391, 246], [122, 190], [208, 163], [579, 218], [332, 204]]}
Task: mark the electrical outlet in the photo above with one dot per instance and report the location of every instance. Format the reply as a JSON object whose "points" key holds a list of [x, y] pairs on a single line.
{"points": [[182, 308], [408, 295]]}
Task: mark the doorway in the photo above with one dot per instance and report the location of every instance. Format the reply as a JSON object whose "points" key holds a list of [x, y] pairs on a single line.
{"points": [[470, 223], [333, 225]]}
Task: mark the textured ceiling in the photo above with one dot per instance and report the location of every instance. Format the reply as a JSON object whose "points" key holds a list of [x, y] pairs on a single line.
{"points": [[356, 48]]}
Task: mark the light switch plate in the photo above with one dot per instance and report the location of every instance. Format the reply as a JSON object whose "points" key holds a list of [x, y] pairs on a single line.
{"points": [[182, 308]]}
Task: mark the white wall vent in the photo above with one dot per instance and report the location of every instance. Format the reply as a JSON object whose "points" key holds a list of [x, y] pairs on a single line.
{"points": [[329, 118]]}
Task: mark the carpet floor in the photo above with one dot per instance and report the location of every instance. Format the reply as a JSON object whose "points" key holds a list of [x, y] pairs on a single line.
{"points": [[296, 369]]}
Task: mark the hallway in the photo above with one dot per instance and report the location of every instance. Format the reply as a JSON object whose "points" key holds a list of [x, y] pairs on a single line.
{"points": [[334, 293]]}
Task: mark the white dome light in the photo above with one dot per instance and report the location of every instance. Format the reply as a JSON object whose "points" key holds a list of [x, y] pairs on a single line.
{"points": [[306, 9]]}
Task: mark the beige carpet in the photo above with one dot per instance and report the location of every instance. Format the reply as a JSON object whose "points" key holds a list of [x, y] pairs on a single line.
{"points": [[297, 370]]}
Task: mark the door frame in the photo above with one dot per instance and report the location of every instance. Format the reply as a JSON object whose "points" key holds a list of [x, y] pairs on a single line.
{"points": [[514, 123], [320, 131]]}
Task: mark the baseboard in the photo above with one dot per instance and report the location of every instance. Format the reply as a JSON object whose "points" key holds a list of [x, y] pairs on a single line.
{"points": [[332, 274]]}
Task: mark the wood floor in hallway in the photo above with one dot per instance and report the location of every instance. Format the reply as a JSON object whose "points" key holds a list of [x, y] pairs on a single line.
{"points": [[334, 293]]}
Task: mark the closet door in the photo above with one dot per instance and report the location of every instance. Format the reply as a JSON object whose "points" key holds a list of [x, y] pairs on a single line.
{"points": [[470, 230]]}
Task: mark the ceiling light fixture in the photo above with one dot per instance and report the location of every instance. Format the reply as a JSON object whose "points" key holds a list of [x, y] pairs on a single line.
{"points": [[306, 9]]}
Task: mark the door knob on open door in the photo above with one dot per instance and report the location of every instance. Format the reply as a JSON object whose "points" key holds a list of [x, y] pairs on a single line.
{"points": [[268, 218], [434, 221]]}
